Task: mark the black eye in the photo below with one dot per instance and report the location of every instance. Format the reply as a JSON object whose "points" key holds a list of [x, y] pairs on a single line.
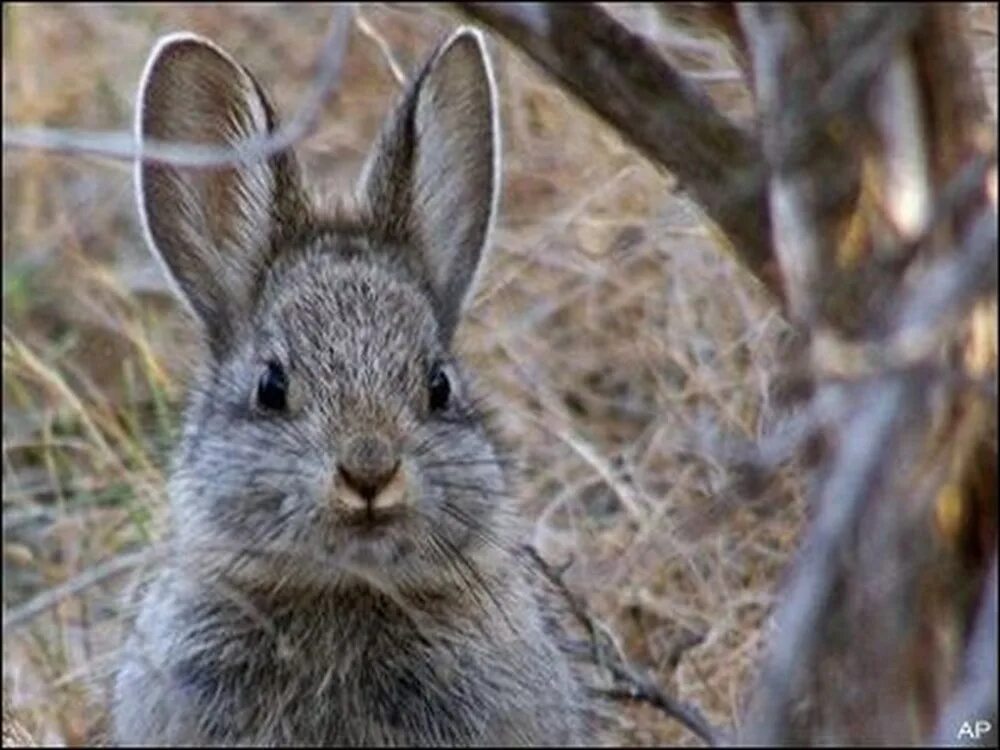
{"points": [[272, 390], [440, 388]]}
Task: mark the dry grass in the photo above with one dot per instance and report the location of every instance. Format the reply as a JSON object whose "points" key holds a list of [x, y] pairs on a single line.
{"points": [[623, 353]]}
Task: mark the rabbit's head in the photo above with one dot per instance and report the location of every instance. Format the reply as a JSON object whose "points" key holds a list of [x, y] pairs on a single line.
{"points": [[331, 434]]}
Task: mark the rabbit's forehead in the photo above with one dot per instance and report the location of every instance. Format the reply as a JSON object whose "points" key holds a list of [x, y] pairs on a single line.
{"points": [[352, 313]]}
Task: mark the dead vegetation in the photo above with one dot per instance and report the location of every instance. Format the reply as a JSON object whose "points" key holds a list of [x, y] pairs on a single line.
{"points": [[641, 375]]}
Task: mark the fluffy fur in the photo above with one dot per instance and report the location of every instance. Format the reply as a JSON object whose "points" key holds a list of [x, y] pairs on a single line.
{"points": [[277, 617]]}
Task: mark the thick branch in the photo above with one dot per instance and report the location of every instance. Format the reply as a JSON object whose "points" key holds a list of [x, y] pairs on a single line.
{"points": [[784, 76], [816, 176], [857, 475], [845, 279], [622, 78], [977, 695]]}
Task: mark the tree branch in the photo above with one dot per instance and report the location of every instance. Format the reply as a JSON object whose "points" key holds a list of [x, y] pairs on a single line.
{"points": [[630, 683], [97, 574], [621, 77], [976, 697], [857, 474], [120, 145], [827, 80]]}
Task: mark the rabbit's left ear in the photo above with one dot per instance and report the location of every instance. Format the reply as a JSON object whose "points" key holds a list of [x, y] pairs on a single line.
{"points": [[214, 228], [432, 178]]}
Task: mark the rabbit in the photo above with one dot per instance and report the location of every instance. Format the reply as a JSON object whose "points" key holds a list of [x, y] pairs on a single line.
{"points": [[342, 565]]}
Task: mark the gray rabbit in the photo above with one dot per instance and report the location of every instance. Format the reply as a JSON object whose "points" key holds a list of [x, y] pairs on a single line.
{"points": [[343, 563]]}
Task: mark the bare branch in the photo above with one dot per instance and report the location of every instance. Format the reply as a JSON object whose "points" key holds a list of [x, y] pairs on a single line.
{"points": [[121, 145], [948, 290], [370, 32], [93, 576], [873, 319], [777, 43], [621, 77], [920, 320], [856, 475], [976, 697], [814, 178], [902, 132], [631, 683]]}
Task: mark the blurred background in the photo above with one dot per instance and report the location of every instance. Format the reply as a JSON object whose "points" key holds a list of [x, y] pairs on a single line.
{"points": [[626, 357]]}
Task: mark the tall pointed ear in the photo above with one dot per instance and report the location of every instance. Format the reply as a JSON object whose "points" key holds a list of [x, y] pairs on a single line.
{"points": [[213, 228], [432, 179]]}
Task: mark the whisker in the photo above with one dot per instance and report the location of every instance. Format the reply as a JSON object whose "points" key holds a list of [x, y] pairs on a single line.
{"points": [[478, 530], [488, 492], [475, 573]]}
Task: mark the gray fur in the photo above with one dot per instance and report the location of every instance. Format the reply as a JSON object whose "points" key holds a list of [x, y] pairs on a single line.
{"points": [[276, 619], [432, 178]]}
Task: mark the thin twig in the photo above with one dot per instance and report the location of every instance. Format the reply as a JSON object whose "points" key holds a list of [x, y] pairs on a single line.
{"points": [[19, 616], [122, 145], [631, 683], [369, 31]]}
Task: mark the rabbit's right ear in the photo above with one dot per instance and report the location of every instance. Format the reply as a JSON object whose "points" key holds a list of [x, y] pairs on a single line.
{"points": [[432, 178], [213, 227]]}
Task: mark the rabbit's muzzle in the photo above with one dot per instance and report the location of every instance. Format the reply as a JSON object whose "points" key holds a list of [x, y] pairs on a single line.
{"points": [[371, 485]]}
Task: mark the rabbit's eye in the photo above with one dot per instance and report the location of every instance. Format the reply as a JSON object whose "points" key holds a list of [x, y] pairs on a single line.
{"points": [[440, 388], [272, 390]]}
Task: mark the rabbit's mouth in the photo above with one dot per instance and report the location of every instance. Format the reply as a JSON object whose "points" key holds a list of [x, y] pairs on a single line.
{"points": [[374, 523], [376, 544]]}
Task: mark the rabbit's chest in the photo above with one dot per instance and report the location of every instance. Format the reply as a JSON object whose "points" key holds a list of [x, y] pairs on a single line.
{"points": [[376, 688]]}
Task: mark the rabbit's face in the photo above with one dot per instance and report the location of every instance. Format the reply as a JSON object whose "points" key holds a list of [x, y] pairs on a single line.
{"points": [[331, 433], [340, 438]]}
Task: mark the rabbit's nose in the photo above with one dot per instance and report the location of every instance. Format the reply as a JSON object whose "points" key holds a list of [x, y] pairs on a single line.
{"points": [[370, 475], [366, 482]]}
